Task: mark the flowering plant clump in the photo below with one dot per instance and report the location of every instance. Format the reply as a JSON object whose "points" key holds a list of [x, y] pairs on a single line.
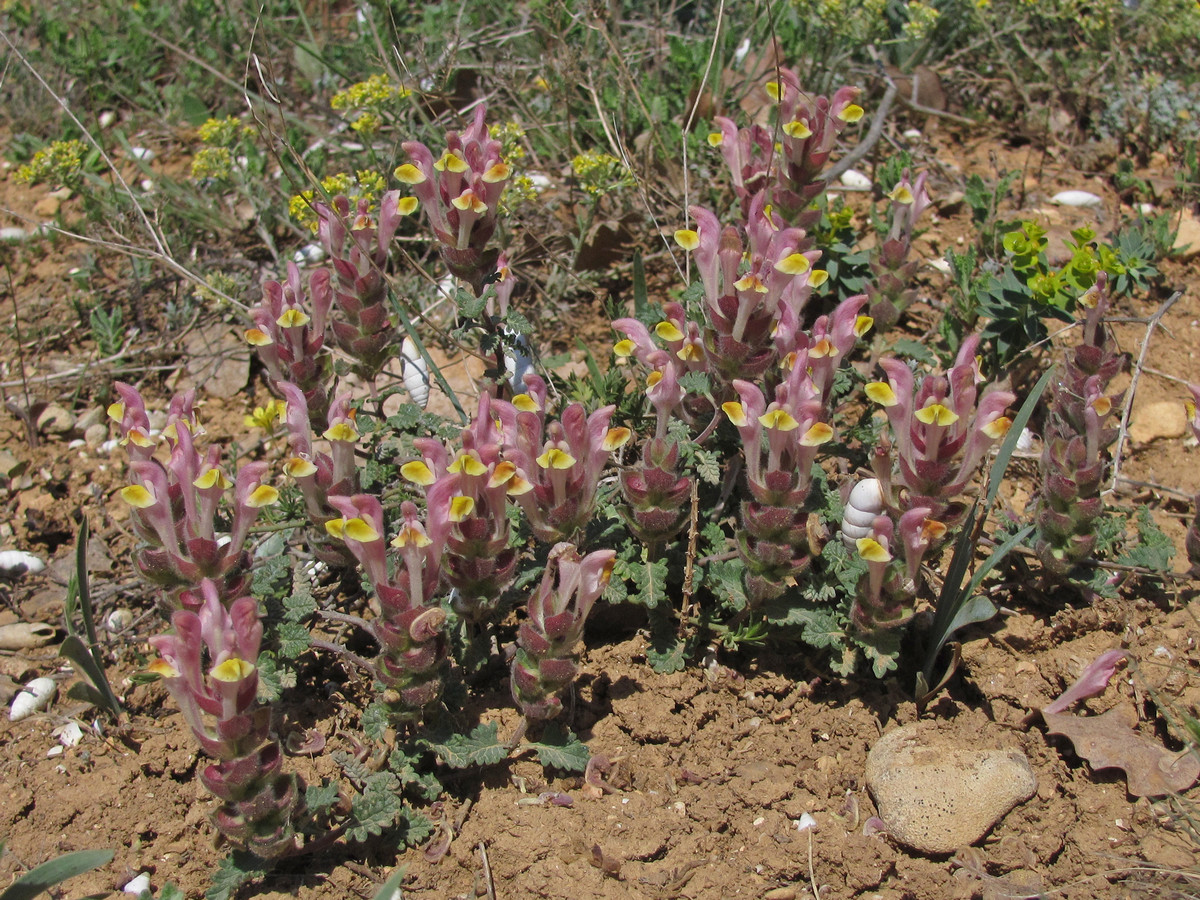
{"points": [[470, 491], [357, 248], [460, 192], [558, 463], [209, 665], [893, 271], [174, 505], [61, 163], [745, 308], [289, 335], [885, 594], [546, 661], [940, 435], [411, 628], [1079, 429]]}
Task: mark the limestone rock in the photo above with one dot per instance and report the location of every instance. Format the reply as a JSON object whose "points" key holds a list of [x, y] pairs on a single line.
{"points": [[1154, 421], [1187, 240], [935, 795]]}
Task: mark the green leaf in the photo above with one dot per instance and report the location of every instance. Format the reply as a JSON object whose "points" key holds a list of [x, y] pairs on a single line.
{"points": [[40, 879], [695, 383], [321, 796], [98, 691], [469, 306], [725, 580], [232, 872], [911, 349], [708, 466], [299, 605], [1153, 549], [561, 749], [649, 580], [882, 648], [375, 810], [294, 639], [415, 827], [667, 655], [480, 748], [170, 892], [273, 677], [375, 721]]}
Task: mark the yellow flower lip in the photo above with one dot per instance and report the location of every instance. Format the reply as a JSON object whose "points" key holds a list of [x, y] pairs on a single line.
{"points": [[411, 535], [138, 496], [555, 458], [503, 474], [461, 507], [798, 130], [357, 530], [902, 194], [518, 486], [881, 392], [715, 139], [116, 411], [468, 199], [653, 378], [817, 277], [736, 412], [467, 464], [773, 89], [525, 403], [293, 318], [497, 172], [820, 433], [263, 495], [936, 414], [687, 239], [668, 331], [851, 113], [232, 670], [1102, 405], [163, 669], [340, 431], [406, 206], [418, 473], [211, 478], [452, 161], [257, 338], [778, 420], [822, 348], [616, 438], [793, 264], [872, 551], [750, 282], [862, 324], [299, 467], [998, 428], [623, 349]]}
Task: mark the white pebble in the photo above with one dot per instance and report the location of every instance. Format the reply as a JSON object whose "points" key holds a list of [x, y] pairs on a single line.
{"points": [[940, 265], [13, 234], [106, 118], [912, 134], [139, 885], [142, 153], [35, 697], [539, 181], [1076, 198], [146, 184], [118, 620], [852, 178]]}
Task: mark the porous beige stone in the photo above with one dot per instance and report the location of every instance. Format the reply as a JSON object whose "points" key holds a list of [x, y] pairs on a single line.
{"points": [[937, 796]]}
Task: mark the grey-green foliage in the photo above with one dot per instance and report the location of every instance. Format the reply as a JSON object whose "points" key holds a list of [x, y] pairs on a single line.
{"points": [[48, 875]]}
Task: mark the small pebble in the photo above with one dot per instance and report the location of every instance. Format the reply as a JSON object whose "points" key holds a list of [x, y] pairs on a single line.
{"points": [[852, 178], [142, 153], [1077, 198]]}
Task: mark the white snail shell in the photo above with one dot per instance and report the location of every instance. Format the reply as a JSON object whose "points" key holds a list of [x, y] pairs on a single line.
{"points": [[863, 505], [518, 359], [415, 372], [1077, 198], [36, 696], [17, 562]]}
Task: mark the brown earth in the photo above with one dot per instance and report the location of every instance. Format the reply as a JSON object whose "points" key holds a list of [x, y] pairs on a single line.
{"points": [[711, 767]]}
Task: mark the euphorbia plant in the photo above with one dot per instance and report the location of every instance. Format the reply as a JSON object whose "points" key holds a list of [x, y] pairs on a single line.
{"points": [[210, 666], [546, 659]]}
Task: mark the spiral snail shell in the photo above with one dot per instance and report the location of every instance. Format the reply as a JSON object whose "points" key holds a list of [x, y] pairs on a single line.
{"points": [[862, 506]]}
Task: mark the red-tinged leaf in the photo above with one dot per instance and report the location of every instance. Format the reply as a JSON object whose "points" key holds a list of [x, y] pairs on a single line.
{"points": [[1093, 681], [1109, 741]]}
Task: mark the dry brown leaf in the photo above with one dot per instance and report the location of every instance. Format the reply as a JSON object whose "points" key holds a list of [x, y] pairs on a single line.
{"points": [[1109, 741]]}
